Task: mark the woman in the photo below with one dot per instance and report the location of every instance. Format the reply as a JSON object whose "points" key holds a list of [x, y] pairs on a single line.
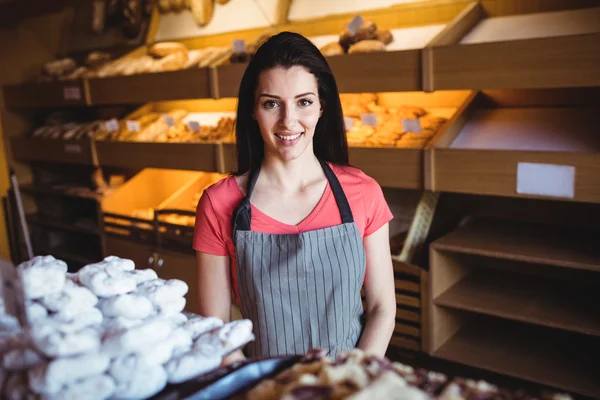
{"points": [[296, 231]]}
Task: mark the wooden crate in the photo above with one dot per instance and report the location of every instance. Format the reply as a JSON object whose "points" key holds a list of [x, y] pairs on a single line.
{"points": [[52, 150]]}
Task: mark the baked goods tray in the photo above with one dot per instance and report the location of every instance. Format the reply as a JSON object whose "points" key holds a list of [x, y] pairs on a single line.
{"points": [[227, 382]]}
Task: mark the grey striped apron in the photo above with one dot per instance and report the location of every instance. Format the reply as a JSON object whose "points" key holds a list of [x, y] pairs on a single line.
{"points": [[301, 291]]}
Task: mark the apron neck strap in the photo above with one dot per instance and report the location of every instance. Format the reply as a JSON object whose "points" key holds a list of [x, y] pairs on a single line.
{"points": [[338, 193]]}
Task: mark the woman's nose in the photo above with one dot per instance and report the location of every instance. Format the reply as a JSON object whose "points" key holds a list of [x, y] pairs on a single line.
{"points": [[288, 119]]}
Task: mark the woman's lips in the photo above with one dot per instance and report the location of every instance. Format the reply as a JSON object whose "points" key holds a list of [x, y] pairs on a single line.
{"points": [[288, 139]]}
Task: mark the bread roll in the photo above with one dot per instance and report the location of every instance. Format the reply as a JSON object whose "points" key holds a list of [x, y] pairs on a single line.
{"points": [[366, 46], [222, 2], [177, 5], [203, 11], [173, 62], [164, 6], [166, 48], [367, 32], [332, 49], [385, 36]]}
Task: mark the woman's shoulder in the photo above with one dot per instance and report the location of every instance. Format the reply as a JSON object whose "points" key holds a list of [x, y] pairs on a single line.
{"points": [[349, 175], [224, 192]]}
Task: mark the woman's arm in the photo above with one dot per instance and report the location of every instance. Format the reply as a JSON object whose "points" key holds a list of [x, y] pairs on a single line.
{"points": [[214, 291], [379, 293]]}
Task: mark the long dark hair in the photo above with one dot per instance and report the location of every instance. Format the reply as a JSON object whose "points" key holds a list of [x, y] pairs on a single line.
{"points": [[286, 50]]}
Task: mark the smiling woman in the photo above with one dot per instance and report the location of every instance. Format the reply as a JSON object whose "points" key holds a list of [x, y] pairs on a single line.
{"points": [[296, 232]]}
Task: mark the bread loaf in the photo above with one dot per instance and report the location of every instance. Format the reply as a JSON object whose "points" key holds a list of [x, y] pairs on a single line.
{"points": [[173, 62], [164, 6], [385, 36], [366, 46], [177, 5], [332, 49], [368, 31], [166, 48], [202, 10], [222, 2]]}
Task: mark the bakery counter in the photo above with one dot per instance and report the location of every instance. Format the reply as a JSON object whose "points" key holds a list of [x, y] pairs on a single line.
{"points": [[537, 144], [551, 49], [45, 95]]}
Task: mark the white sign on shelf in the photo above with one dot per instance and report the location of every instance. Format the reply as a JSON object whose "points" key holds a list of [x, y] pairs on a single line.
{"points": [[549, 180], [349, 123], [194, 126], [112, 125], [72, 93], [239, 46], [369, 119], [354, 25], [169, 120], [133, 126], [12, 293], [73, 149], [411, 125]]}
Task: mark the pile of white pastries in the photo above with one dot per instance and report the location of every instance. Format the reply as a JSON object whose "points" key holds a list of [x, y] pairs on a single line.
{"points": [[108, 331]]}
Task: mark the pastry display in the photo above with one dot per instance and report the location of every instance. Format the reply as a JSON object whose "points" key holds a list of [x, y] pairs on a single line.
{"points": [[367, 38], [108, 333]]}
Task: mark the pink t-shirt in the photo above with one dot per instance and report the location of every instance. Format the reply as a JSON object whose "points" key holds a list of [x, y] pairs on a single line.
{"points": [[213, 231]]}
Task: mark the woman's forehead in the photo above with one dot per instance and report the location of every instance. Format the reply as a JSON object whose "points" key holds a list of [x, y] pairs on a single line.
{"points": [[284, 82]]}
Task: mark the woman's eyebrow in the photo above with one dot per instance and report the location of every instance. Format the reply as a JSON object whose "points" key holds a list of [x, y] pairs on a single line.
{"points": [[279, 98]]}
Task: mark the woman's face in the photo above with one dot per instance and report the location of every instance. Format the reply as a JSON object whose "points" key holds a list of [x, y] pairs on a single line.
{"points": [[287, 109]]}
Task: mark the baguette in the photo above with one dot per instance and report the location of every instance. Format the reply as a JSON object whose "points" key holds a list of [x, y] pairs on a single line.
{"points": [[202, 10]]}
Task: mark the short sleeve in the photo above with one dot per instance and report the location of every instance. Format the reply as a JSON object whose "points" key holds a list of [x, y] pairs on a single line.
{"points": [[208, 237], [377, 211]]}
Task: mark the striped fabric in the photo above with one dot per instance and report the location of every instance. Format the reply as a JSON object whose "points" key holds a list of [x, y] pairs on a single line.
{"points": [[302, 291]]}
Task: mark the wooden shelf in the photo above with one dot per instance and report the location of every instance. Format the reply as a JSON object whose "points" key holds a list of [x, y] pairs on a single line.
{"points": [[553, 49], [177, 85], [45, 95], [532, 300], [553, 358], [228, 79], [393, 168], [526, 243], [37, 190], [56, 224], [51, 150]]}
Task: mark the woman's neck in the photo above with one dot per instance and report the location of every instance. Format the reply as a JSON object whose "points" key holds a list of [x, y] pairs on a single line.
{"points": [[292, 175]]}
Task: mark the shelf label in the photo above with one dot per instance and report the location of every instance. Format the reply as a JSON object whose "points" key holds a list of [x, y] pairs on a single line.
{"points": [[354, 25], [169, 120], [411, 125], [369, 119], [349, 123], [12, 293], [239, 46], [194, 126], [112, 125], [133, 126], [73, 149], [72, 93], [546, 180]]}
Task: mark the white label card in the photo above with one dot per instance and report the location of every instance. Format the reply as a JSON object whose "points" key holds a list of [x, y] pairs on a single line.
{"points": [[354, 25], [369, 119], [112, 125], [194, 126], [169, 120], [549, 180], [239, 46], [411, 125], [12, 293], [73, 149], [72, 93], [349, 123], [133, 126]]}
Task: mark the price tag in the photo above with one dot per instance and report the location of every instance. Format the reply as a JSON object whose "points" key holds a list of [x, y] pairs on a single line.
{"points": [[239, 46], [546, 180], [72, 149], [354, 25], [12, 293], [133, 126], [72, 93], [411, 125], [369, 119], [349, 123], [169, 120], [194, 126], [112, 125]]}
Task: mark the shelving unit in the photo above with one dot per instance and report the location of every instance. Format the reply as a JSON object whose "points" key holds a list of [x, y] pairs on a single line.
{"points": [[50, 150], [45, 95], [518, 300]]}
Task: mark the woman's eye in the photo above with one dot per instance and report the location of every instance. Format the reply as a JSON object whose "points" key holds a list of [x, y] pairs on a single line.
{"points": [[305, 102], [269, 104]]}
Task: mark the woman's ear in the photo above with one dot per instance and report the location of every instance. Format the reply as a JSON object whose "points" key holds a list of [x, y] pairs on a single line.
{"points": [[323, 105]]}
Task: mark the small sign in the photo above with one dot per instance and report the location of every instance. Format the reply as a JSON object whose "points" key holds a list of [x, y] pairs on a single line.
{"points": [[133, 126], [72, 93], [112, 125], [411, 125], [549, 180], [354, 25], [169, 120], [194, 126], [72, 149], [349, 123], [369, 119], [13, 293], [239, 46]]}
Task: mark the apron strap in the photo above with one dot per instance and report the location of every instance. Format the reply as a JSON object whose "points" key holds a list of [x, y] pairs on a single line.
{"points": [[338, 193]]}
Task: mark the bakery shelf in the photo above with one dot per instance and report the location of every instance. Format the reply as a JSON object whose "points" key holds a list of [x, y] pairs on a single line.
{"points": [[45, 95], [542, 50], [36, 219], [518, 242], [51, 150], [161, 86], [531, 148], [548, 357], [228, 79], [534, 300]]}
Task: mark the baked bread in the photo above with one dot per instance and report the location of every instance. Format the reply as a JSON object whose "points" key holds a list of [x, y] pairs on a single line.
{"points": [[172, 62], [222, 2], [202, 10], [368, 31], [177, 5], [366, 46], [332, 49], [385, 36], [166, 48], [164, 6]]}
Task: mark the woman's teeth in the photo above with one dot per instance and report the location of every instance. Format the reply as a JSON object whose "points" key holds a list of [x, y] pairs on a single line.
{"points": [[288, 137]]}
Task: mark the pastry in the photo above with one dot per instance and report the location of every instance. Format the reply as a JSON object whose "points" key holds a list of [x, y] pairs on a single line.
{"points": [[202, 11], [73, 323], [172, 62], [137, 380], [103, 387], [231, 336], [190, 365], [143, 275], [137, 338], [164, 6], [106, 280], [385, 36], [166, 48], [199, 325], [222, 2], [56, 343], [332, 49], [177, 5], [42, 276], [35, 312], [161, 292], [172, 307], [126, 306], [366, 46], [72, 300], [368, 31], [97, 58]]}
